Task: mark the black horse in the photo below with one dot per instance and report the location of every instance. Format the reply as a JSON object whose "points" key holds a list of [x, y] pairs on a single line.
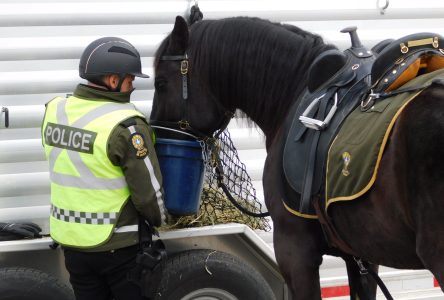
{"points": [[260, 68]]}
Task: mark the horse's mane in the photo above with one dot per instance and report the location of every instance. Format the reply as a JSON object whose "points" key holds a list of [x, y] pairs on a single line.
{"points": [[256, 59]]}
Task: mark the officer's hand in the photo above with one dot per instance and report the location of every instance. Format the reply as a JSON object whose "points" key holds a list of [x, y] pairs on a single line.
{"points": [[28, 230]]}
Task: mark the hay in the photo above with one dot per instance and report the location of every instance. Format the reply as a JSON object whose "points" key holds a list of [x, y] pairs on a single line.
{"points": [[215, 208], [222, 165]]}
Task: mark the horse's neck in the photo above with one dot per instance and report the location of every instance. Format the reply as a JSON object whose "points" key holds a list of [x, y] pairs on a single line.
{"points": [[269, 110], [263, 82]]}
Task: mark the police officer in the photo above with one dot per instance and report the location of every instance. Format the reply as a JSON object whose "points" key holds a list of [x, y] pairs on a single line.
{"points": [[104, 172]]}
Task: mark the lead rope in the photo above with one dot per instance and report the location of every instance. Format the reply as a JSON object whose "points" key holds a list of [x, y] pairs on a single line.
{"points": [[363, 270]]}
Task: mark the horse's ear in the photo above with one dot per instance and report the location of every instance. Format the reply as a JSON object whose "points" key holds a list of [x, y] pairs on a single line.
{"points": [[179, 36]]}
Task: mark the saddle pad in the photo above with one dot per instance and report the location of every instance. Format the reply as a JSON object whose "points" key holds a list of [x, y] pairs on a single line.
{"points": [[356, 152], [350, 85], [298, 147]]}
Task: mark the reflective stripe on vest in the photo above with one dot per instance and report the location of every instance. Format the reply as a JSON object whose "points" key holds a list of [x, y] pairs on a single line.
{"points": [[86, 180], [87, 191], [155, 183], [83, 217]]}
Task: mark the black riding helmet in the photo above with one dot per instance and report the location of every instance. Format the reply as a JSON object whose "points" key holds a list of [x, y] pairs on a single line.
{"points": [[110, 55]]}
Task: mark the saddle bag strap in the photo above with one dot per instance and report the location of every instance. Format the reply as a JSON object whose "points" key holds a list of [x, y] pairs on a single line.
{"points": [[331, 235], [307, 185], [372, 97], [411, 89]]}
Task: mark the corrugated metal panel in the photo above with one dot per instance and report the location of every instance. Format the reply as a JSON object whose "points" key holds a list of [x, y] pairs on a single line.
{"points": [[41, 41]]}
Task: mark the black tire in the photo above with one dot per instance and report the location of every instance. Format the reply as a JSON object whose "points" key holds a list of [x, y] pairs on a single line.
{"points": [[209, 274], [30, 284]]}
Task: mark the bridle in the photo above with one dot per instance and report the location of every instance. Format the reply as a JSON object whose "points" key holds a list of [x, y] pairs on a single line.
{"points": [[183, 126]]}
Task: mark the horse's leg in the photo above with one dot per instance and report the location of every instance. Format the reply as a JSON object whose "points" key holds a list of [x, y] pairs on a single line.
{"points": [[362, 287], [429, 222], [298, 242], [424, 127], [429, 250], [298, 256]]}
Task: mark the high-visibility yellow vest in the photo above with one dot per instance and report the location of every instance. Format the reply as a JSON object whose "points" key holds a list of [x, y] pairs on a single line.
{"points": [[87, 191]]}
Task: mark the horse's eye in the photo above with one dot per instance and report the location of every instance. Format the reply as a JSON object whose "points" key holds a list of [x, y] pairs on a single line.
{"points": [[160, 84]]}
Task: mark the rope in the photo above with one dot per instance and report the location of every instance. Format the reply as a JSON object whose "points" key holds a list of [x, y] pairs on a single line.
{"points": [[232, 177]]}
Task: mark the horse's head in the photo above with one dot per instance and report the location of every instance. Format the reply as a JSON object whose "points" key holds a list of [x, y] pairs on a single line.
{"points": [[180, 100]]}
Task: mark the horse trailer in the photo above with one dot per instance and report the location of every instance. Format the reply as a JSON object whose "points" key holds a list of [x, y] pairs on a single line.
{"points": [[233, 241]]}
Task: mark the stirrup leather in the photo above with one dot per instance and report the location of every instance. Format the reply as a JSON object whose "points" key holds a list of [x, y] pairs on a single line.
{"points": [[314, 123]]}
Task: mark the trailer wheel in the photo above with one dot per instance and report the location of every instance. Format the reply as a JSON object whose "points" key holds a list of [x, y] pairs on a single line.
{"points": [[31, 284], [209, 274]]}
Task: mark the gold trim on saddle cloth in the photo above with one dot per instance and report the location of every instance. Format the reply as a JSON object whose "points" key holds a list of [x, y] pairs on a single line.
{"points": [[355, 154], [378, 160], [298, 214]]}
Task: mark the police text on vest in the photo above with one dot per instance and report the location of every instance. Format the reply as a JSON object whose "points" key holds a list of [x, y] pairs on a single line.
{"points": [[70, 138]]}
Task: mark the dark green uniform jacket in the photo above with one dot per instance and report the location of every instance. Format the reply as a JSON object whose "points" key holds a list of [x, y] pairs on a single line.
{"points": [[122, 152]]}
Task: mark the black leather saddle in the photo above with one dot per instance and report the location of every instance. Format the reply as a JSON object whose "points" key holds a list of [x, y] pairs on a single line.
{"points": [[336, 82]]}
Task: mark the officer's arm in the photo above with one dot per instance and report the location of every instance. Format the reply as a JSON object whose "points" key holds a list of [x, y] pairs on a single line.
{"points": [[131, 147]]}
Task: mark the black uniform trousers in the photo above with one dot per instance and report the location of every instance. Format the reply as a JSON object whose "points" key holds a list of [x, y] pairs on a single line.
{"points": [[102, 275]]}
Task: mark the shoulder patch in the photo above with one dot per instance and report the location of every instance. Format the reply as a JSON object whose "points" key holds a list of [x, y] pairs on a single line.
{"points": [[138, 144]]}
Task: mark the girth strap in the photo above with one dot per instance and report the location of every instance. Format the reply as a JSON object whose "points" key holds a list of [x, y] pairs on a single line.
{"points": [[331, 235], [310, 166]]}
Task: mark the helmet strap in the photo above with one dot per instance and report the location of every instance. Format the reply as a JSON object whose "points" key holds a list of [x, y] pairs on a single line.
{"points": [[121, 79]]}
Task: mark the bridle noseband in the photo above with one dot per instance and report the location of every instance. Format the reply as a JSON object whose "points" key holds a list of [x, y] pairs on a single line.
{"points": [[183, 125]]}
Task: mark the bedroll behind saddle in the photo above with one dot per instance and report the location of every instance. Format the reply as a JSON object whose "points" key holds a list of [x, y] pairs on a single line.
{"points": [[401, 61], [406, 58]]}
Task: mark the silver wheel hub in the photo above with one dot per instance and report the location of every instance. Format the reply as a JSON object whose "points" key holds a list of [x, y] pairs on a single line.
{"points": [[209, 294]]}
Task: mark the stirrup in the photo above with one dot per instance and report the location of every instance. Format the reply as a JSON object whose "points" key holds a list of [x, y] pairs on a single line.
{"points": [[318, 124]]}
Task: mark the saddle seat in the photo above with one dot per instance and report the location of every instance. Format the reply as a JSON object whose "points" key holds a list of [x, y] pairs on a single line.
{"points": [[325, 67]]}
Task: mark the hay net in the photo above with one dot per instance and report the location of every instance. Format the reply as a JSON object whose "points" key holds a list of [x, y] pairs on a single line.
{"points": [[215, 208]]}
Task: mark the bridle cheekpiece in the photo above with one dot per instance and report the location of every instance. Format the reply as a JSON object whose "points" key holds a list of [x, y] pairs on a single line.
{"points": [[183, 125]]}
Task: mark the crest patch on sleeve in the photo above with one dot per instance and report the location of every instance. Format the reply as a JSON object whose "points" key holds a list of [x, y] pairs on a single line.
{"points": [[138, 144]]}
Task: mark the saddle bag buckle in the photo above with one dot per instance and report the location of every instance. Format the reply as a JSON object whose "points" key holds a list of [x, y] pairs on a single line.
{"points": [[315, 123]]}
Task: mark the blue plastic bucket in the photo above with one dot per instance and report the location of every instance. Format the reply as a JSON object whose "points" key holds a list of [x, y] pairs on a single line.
{"points": [[182, 167]]}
